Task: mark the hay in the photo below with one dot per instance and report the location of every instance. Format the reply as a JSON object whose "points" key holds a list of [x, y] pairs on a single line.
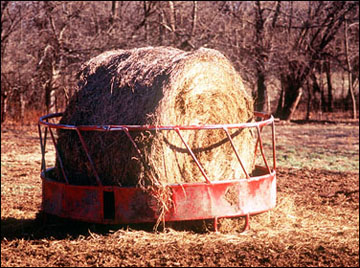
{"points": [[157, 86]]}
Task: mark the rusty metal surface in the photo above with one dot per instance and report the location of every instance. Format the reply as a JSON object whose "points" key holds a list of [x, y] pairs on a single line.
{"points": [[190, 201]]}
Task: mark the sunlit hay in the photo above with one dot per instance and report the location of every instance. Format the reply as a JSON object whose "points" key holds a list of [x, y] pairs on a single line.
{"points": [[299, 225], [274, 221], [157, 86], [278, 220], [230, 225]]}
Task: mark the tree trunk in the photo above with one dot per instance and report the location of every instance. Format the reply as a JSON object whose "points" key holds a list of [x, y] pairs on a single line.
{"points": [[145, 22], [317, 89], [323, 100], [3, 107], [261, 101], [308, 106], [194, 19], [281, 101], [22, 106], [172, 16], [351, 89], [50, 97], [329, 86], [321, 87], [292, 94], [161, 28], [294, 105], [343, 92], [113, 11]]}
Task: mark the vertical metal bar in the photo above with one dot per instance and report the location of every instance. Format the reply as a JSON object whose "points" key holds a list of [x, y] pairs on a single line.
{"points": [[236, 152], [216, 224], [42, 146], [193, 156], [247, 223], [58, 156], [45, 139], [89, 158], [273, 144], [261, 148]]}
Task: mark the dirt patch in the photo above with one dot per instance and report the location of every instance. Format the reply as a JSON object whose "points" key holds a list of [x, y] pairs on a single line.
{"points": [[315, 222]]}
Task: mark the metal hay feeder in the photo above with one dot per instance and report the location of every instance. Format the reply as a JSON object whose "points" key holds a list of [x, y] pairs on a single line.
{"points": [[191, 201]]}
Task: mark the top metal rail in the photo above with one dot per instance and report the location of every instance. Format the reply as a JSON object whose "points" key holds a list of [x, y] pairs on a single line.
{"points": [[44, 121], [268, 120]]}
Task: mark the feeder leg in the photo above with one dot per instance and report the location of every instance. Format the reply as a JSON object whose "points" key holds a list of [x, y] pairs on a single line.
{"points": [[247, 223], [215, 224]]}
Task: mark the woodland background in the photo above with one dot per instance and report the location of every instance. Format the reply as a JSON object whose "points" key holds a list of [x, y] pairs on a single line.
{"points": [[294, 56]]}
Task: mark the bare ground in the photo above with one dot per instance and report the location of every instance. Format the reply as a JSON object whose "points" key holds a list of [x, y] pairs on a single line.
{"points": [[315, 222]]}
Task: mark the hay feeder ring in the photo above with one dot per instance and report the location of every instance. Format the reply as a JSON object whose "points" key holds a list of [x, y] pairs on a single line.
{"points": [[255, 193]]}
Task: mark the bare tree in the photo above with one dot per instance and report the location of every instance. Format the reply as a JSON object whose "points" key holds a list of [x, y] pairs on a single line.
{"points": [[44, 44], [264, 33], [11, 16], [349, 67], [315, 33]]}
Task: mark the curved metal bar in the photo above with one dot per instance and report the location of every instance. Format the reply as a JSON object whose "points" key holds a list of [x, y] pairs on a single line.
{"points": [[259, 192], [267, 121]]}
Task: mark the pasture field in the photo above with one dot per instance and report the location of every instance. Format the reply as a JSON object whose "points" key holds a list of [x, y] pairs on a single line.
{"points": [[315, 222]]}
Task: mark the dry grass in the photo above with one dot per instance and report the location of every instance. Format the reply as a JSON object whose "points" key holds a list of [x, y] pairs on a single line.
{"points": [[315, 223]]}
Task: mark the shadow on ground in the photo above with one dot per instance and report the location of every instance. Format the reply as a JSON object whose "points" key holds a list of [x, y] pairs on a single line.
{"points": [[46, 226]]}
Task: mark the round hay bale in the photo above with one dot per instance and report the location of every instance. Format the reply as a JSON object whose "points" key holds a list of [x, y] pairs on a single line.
{"points": [[157, 86]]}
